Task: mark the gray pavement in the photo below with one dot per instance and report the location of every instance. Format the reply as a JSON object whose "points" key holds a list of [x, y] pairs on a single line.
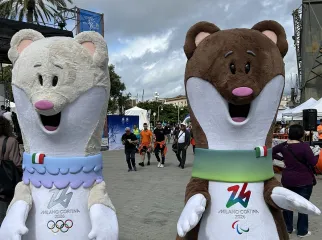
{"points": [[149, 201]]}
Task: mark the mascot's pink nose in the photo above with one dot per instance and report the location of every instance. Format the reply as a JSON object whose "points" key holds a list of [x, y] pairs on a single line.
{"points": [[242, 92], [44, 105]]}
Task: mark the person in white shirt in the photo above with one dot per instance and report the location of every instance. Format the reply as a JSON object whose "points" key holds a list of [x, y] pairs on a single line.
{"points": [[183, 140]]}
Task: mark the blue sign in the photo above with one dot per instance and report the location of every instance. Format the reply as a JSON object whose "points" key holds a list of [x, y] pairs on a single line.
{"points": [[116, 128], [90, 21]]}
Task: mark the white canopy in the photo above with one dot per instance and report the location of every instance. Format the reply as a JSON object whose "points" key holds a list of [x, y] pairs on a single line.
{"points": [[289, 114], [142, 113], [317, 106]]}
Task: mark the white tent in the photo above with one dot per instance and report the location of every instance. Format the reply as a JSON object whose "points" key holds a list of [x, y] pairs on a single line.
{"points": [[142, 113], [317, 106], [294, 113], [280, 113]]}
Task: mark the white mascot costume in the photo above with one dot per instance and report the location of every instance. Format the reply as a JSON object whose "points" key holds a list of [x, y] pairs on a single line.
{"points": [[61, 87]]}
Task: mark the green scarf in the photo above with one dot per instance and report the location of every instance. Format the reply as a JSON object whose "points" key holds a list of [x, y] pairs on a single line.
{"points": [[232, 165]]}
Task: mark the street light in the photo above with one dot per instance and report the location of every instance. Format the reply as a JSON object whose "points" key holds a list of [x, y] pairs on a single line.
{"points": [[159, 111], [156, 95], [154, 117], [179, 113]]}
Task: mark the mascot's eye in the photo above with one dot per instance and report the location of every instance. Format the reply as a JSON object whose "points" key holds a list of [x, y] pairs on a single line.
{"points": [[40, 80], [232, 68], [55, 81], [247, 67]]}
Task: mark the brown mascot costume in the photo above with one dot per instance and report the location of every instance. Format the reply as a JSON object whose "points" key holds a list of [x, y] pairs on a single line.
{"points": [[234, 81]]}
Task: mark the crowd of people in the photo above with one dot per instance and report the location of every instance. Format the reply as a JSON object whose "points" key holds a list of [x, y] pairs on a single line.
{"points": [[146, 142]]}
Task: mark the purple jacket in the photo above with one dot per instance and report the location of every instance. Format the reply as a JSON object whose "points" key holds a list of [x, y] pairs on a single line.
{"points": [[296, 174]]}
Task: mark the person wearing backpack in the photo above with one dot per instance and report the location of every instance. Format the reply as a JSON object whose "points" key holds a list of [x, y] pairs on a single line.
{"points": [[10, 163], [298, 174]]}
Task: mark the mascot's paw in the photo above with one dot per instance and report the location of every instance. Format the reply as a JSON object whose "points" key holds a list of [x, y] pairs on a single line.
{"points": [[191, 214], [104, 223], [13, 226], [289, 200]]}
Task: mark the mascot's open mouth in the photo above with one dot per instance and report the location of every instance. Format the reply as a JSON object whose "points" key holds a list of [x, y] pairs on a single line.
{"points": [[238, 113], [50, 123]]}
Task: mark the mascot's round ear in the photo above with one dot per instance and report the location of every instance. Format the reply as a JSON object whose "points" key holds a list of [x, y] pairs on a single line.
{"points": [[274, 31], [95, 44], [196, 34], [20, 41]]}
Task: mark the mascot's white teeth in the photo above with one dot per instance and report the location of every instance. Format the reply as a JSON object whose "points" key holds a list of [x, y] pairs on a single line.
{"points": [[50, 123], [239, 113]]}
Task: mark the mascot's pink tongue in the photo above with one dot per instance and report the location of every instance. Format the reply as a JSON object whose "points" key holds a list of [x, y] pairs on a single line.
{"points": [[50, 128], [238, 119]]}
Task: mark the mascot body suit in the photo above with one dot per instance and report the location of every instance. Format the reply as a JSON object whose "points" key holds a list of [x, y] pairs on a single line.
{"points": [[234, 81], [61, 88]]}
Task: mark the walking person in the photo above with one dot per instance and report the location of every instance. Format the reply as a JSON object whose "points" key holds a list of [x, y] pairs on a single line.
{"points": [[319, 130], [146, 144], [10, 152], [137, 131], [298, 175], [160, 144], [130, 141], [192, 141], [183, 141]]}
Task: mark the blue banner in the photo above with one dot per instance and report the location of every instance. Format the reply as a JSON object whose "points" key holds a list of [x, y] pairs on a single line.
{"points": [[116, 128], [90, 21]]}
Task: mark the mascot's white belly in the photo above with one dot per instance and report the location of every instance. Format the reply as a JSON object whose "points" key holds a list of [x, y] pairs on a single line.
{"points": [[237, 213], [59, 214]]}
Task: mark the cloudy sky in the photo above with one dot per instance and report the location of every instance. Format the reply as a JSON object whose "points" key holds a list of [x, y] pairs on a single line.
{"points": [[146, 37]]}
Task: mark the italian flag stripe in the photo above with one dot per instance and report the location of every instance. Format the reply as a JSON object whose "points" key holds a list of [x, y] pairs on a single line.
{"points": [[261, 151], [38, 158]]}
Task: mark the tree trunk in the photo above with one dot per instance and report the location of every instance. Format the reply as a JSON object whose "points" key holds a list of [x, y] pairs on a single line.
{"points": [[31, 5], [30, 18]]}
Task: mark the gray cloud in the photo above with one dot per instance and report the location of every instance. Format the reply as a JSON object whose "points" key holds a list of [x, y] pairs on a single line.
{"points": [[162, 70]]}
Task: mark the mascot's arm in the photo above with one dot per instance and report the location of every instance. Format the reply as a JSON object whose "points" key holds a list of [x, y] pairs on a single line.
{"points": [[197, 198], [14, 224], [197, 186], [102, 214], [269, 185], [282, 198]]}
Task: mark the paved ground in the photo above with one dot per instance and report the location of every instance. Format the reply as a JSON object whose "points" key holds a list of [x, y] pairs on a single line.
{"points": [[149, 201]]}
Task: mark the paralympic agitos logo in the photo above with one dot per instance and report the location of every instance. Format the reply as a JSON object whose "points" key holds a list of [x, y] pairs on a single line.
{"points": [[239, 229]]}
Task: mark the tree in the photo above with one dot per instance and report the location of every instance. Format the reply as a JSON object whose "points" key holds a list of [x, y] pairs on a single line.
{"points": [[167, 112], [32, 10], [117, 101], [6, 79]]}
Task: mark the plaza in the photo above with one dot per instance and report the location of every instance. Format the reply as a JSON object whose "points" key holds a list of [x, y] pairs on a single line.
{"points": [[149, 202]]}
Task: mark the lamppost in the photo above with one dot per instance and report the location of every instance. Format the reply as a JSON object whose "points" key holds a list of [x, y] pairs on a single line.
{"points": [[179, 113], [161, 106], [154, 118], [156, 96]]}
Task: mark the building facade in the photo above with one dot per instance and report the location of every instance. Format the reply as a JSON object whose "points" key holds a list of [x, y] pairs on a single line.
{"points": [[180, 101]]}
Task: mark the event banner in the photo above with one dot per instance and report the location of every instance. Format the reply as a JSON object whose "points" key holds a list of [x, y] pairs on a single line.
{"points": [[116, 128], [90, 21]]}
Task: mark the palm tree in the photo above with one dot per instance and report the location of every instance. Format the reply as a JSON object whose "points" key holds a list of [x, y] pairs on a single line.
{"points": [[32, 10]]}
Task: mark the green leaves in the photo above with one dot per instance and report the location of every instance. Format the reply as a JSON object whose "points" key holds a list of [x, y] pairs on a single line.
{"points": [[169, 113], [32, 10]]}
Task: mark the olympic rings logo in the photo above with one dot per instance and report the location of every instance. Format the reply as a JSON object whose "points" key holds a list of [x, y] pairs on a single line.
{"points": [[60, 225]]}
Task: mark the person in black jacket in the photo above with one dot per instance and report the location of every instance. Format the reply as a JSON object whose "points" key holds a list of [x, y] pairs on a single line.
{"points": [[183, 140], [129, 140]]}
